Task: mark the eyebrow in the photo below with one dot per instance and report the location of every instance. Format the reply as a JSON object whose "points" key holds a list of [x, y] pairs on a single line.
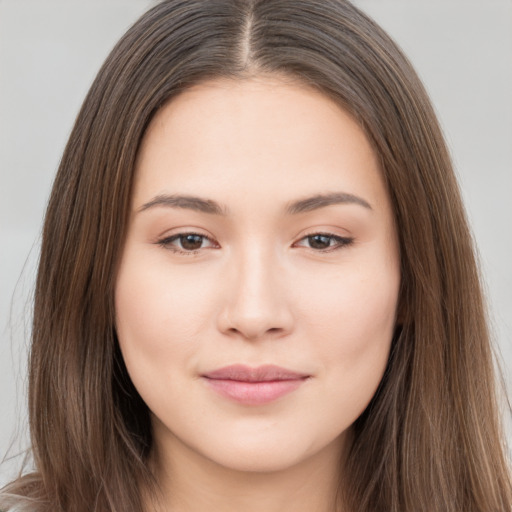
{"points": [[211, 207], [322, 200], [187, 202]]}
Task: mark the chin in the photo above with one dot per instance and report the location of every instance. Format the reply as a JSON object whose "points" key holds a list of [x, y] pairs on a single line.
{"points": [[258, 461], [268, 455]]}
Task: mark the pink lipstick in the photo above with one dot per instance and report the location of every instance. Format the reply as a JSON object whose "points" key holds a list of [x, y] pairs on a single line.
{"points": [[254, 386]]}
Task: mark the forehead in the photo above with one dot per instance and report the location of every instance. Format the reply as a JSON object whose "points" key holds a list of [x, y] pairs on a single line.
{"points": [[251, 135]]}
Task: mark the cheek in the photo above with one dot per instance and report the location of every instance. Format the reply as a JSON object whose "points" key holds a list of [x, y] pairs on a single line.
{"points": [[352, 308], [353, 323], [159, 316]]}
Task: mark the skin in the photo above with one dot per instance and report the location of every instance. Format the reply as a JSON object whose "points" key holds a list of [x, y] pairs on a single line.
{"points": [[259, 289]]}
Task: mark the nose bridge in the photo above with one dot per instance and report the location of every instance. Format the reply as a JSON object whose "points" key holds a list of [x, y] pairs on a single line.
{"points": [[255, 272], [256, 301]]}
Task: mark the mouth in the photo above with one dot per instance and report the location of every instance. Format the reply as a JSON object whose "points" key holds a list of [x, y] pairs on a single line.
{"points": [[254, 386]]}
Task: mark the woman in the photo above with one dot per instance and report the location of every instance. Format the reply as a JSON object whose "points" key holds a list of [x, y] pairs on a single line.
{"points": [[257, 288]]}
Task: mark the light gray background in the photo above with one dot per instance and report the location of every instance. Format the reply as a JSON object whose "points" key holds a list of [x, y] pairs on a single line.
{"points": [[50, 51]]}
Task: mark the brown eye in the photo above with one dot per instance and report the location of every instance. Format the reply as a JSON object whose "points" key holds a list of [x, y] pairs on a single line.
{"points": [[319, 241], [187, 243], [191, 242], [324, 242]]}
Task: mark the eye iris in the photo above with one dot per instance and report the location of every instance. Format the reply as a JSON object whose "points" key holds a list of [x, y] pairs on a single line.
{"points": [[319, 241], [191, 242]]}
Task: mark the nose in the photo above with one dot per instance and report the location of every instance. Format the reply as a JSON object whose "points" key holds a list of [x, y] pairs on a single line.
{"points": [[256, 302]]}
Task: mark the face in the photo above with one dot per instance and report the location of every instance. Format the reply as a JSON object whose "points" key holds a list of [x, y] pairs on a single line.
{"points": [[257, 291]]}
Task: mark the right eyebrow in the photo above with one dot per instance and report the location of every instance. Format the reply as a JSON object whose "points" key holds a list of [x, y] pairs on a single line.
{"points": [[187, 202]]}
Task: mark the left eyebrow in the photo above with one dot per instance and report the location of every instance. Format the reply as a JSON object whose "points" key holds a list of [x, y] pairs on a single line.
{"points": [[322, 200]]}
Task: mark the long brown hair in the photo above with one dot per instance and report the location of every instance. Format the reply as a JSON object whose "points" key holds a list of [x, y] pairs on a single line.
{"points": [[430, 438]]}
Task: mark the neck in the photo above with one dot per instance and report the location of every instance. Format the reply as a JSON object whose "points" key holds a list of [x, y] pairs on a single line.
{"points": [[190, 483]]}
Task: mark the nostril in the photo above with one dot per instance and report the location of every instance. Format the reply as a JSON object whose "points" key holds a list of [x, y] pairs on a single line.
{"points": [[254, 333], [254, 310]]}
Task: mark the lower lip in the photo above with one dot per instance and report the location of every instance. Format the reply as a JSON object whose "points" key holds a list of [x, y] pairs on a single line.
{"points": [[254, 393]]}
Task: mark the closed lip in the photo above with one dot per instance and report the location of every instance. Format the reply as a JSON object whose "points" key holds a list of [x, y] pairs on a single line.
{"points": [[264, 373], [254, 386]]}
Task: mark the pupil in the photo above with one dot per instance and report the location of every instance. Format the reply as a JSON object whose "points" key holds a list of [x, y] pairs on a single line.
{"points": [[191, 242], [319, 241]]}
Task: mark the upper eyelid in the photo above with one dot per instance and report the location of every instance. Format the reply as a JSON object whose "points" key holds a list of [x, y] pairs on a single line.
{"points": [[212, 239], [187, 231], [342, 240], [175, 236]]}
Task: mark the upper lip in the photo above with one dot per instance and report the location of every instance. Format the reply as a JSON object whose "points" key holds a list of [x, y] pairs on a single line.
{"points": [[265, 373]]}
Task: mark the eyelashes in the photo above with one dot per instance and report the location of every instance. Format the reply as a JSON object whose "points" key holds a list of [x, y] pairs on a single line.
{"points": [[190, 243], [326, 242], [187, 242]]}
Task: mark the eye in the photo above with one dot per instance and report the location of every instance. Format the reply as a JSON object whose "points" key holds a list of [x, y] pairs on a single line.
{"points": [[186, 243], [324, 242]]}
